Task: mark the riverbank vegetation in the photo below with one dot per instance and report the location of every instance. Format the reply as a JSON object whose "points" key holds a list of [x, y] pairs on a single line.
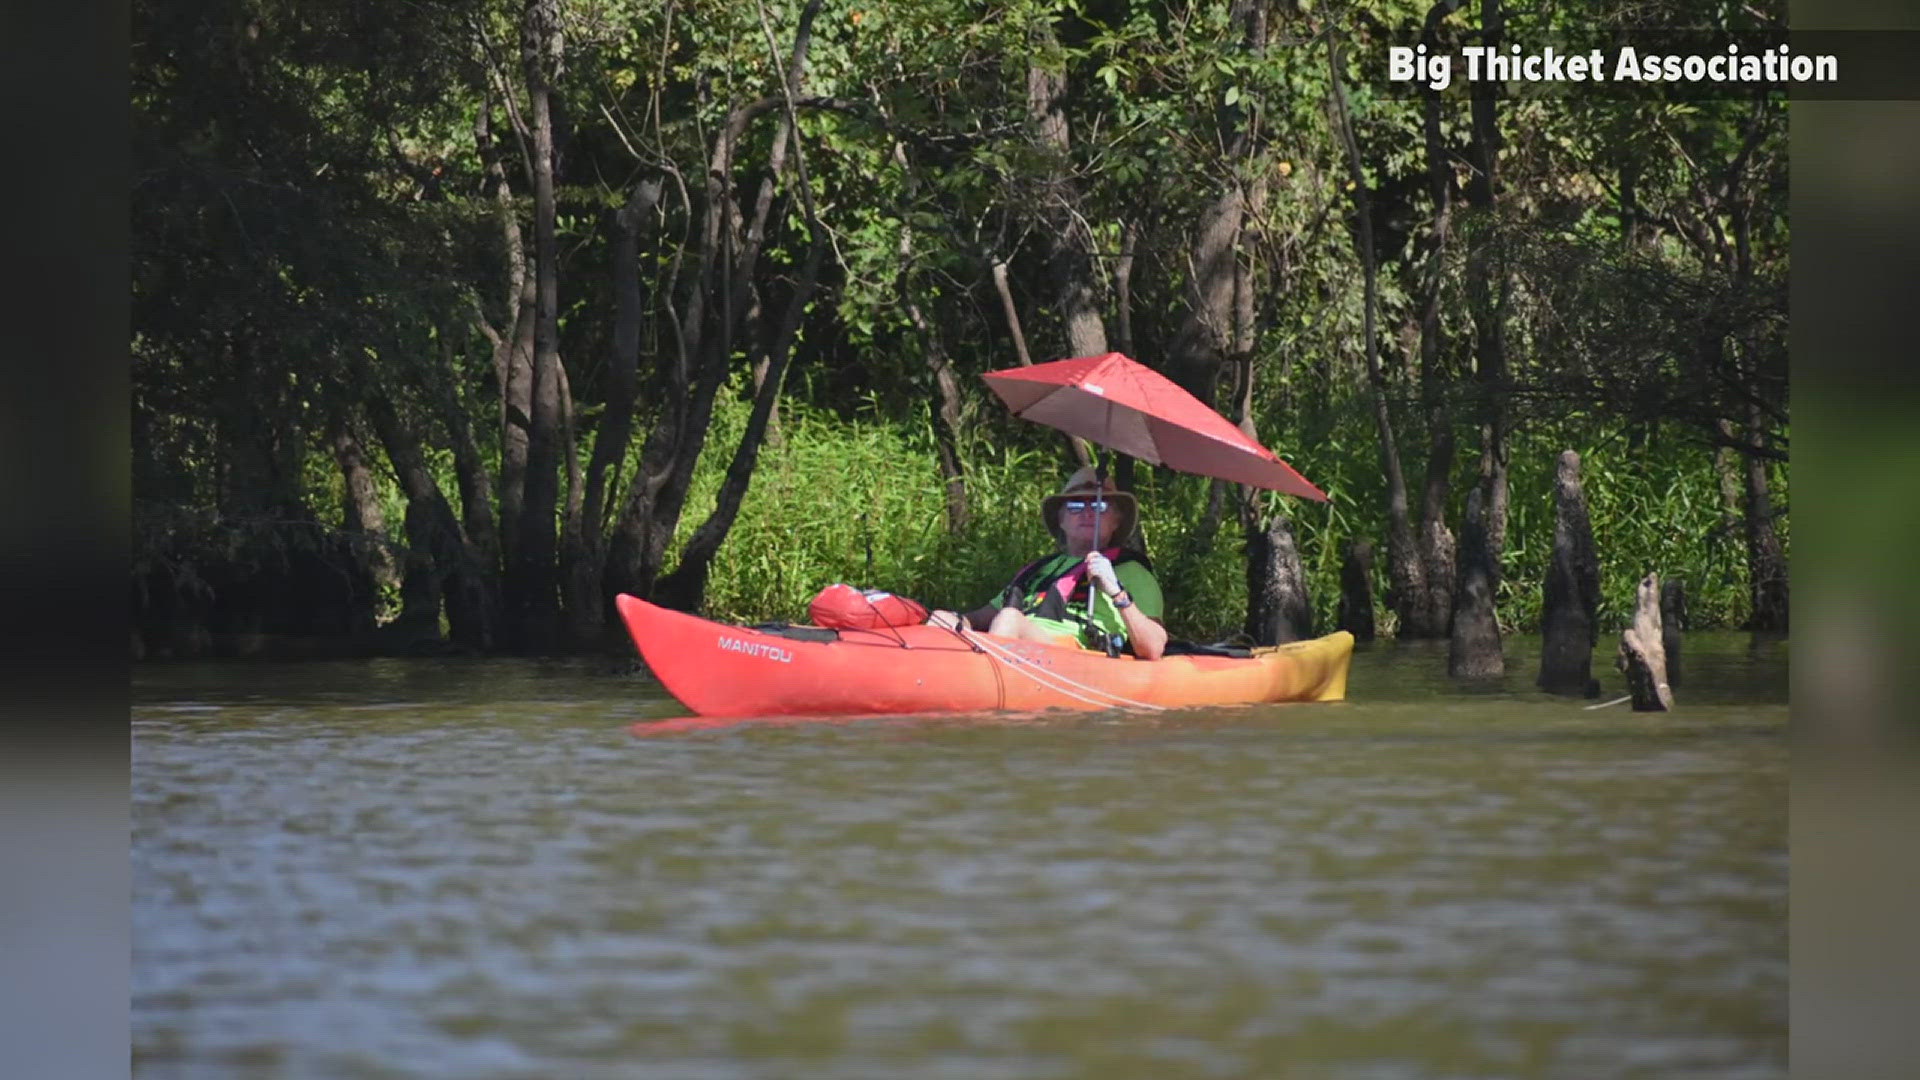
{"points": [[451, 320]]}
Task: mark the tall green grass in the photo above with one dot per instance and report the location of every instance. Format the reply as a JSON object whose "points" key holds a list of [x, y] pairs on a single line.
{"points": [[860, 500]]}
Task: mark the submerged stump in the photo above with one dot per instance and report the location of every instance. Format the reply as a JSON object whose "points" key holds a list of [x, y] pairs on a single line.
{"points": [[1356, 590], [1643, 655], [1569, 615], [1278, 607], [1473, 649]]}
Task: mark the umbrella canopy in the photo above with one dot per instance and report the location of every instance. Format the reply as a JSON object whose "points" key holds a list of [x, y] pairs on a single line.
{"points": [[1126, 406]]}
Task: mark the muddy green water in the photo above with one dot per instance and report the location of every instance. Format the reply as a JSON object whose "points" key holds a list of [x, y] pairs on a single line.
{"points": [[472, 869]]}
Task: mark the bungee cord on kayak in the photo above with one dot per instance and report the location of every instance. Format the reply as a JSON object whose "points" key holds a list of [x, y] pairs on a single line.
{"points": [[1031, 668]]}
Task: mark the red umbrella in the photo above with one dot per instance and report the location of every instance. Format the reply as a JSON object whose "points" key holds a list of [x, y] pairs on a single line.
{"points": [[1126, 406]]}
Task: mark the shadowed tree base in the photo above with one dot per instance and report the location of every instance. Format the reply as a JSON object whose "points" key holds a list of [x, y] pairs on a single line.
{"points": [[1569, 626], [1473, 650], [1356, 591], [1278, 608]]}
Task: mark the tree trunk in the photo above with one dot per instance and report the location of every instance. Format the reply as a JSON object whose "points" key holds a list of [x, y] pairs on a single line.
{"points": [[1123, 289], [638, 550], [1070, 249], [1642, 657], [1200, 345], [1726, 467], [946, 417], [1076, 447], [1432, 612], [438, 566], [946, 388], [360, 510], [364, 522], [1406, 577], [532, 586], [1012, 312], [1473, 646], [1279, 609], [763, 204], [580, 611], [512, 353], [1673, 620], [1766, 561], [616, 424], [516, 409], [475, 483], [1219, 321], [1489, 295], [1473, 649], [1569, 614], [1432, 615], [1356, 591]]}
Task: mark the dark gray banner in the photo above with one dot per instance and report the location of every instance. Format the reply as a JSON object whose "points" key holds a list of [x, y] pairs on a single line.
{"points": [[1831, 65]]}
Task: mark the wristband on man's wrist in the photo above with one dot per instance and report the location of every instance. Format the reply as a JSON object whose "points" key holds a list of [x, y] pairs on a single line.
{"points": [[1121, 600]]}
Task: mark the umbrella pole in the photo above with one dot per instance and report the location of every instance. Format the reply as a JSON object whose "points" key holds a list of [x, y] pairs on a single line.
{"points": [[1099, 496]]}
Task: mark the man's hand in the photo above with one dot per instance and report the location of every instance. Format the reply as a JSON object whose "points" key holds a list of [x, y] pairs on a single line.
{"points": [[1100, 572], [945, 620]]}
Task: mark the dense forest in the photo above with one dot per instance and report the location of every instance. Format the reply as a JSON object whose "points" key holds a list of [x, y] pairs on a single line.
{"points": [[452, 319]]}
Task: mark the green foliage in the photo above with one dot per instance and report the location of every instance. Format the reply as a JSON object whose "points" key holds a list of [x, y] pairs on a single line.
{"points": [[315, 219]]}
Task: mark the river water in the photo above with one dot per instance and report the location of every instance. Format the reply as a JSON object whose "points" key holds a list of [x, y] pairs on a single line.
{"points": [[474, 869]]}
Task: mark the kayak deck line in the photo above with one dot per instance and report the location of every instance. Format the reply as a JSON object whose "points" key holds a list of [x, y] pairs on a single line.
{"points": [[1027, 667]]}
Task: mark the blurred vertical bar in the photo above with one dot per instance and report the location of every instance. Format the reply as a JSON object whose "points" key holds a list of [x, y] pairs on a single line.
{"points": [[1855, 835], [64, 418]]}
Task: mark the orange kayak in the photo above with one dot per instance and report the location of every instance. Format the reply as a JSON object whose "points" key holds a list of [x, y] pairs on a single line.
{"points": [[719, 669]]}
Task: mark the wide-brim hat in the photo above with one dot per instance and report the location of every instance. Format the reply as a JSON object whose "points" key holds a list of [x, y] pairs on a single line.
{"points": [[1084, 484]]}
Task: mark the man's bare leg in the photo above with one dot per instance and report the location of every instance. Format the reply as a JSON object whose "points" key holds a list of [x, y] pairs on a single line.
{"points": [[1009, 622]]}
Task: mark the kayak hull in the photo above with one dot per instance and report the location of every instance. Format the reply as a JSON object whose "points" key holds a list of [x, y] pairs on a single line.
{"points": [[719, 669]]}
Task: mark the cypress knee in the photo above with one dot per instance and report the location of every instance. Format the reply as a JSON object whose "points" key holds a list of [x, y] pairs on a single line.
{"points": [[1473, 649], [1642, 655], [1278, 608], [1569, 616], [1356, 590]]}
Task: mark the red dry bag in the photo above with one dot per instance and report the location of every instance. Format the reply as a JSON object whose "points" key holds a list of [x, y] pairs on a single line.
{"points": [[844, 607]]}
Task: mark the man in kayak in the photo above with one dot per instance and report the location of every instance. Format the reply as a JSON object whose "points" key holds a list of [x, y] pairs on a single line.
{"points": [[1047, 600]]}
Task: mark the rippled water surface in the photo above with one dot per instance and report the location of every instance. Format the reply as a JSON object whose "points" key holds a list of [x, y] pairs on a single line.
{"points": [[474, 869]]}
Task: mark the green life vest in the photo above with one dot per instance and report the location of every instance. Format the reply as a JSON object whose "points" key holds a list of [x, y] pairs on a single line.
{"points": [[1056, 588]]}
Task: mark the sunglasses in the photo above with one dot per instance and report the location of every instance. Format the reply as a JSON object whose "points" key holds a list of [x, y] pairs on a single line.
{"points": [[1081, 506]]}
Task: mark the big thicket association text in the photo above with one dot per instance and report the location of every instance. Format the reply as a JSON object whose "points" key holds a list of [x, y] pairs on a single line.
{"points": [[1627, 65]]}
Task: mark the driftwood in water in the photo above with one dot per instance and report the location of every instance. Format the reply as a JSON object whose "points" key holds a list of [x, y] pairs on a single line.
{"points": [[1356, 590], [1278, 608], [1673, 619], [1643, 656], [1569, 616], [1473, 649]]}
